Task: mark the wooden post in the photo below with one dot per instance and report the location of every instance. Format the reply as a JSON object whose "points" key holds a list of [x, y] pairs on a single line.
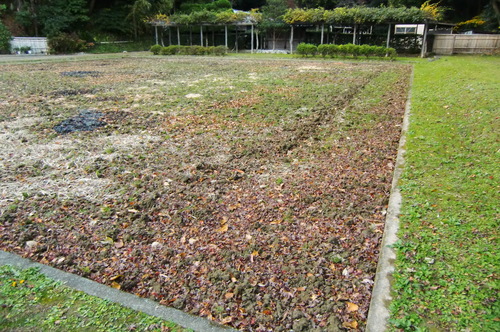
{"points": [[225, 35], [156, 34], [291, 40], [354, 34], [388, 36], [424, 42], [322, 32], [201, 35], [178, 36], [169, 36], [257, 39], [251, 39]]}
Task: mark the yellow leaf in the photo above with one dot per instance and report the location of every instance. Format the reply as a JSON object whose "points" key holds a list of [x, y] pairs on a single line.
{"points": [[115, 277], [223, 228], [14, 284], [228, 295], [351, 325], [116, 285], [332, 267], [352, 307]]}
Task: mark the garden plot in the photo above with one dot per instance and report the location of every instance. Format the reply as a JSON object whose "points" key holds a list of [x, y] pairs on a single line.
{"points": [[251, 192]]}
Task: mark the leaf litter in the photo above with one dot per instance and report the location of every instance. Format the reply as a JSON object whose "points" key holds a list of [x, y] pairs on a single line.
{"points": [[260, 205]]}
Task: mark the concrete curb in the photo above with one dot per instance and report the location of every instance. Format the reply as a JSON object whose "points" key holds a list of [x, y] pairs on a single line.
{"points": [[114, 295], [378, 313]]}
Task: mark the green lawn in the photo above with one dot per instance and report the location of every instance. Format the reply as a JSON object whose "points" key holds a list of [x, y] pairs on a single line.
{"points": [[29, 301], [447, 264]]}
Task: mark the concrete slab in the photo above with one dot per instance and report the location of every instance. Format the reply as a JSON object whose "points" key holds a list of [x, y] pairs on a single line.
{"points": [[114, 295], [378, 314]]}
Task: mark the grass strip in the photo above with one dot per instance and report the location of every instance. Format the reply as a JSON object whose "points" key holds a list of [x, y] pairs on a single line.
{"points": [[30, 301], [447, 258]]}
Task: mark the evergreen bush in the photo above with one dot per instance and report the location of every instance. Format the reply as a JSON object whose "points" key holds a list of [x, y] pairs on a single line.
{"points": [[156, 49], [65, 43]]}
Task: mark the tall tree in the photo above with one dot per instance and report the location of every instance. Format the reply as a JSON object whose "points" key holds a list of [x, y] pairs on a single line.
{"points": [[57, 16]]}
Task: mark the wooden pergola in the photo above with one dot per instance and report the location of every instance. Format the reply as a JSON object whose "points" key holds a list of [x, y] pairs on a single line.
{"points": [[177, 26]]}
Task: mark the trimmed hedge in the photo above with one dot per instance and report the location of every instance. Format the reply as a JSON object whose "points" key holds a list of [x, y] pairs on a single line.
{"points": [[189, 50], [346, 50]]}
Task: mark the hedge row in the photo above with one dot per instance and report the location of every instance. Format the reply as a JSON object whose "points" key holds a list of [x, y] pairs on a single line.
{"points": [[331, 50], [188, 50]]}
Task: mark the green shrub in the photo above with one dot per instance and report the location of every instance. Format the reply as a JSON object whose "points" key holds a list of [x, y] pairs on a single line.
{"points": [[323, 49], [66, 43], [170, 50], [380, 51], [220, 50], [365, 50], [305, 49], [333, 50], [391, 52], [156, 49]]}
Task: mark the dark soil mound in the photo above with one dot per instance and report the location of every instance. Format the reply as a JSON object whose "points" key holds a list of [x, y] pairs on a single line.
{"points": [[81, 73], [87, 120]]}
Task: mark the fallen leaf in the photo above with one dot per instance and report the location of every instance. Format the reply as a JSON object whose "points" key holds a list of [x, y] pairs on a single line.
{"points": [[228, 295], [116, 285], [352, 307], [227, 320], [350, 325], [223, 228], [115, 277]]}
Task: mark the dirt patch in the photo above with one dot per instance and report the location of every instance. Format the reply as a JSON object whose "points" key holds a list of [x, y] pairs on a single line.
{"points": [[254, 206], [86, 120], [81, 73]]}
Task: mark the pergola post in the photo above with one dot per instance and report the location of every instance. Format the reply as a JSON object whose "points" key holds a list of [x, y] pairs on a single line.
{"points": [[291, 40], [178, 36], [251, 39], [201, 35], [322, 32], [424, 42], [169, 36], [354, 34], [156, 34], [225, 35], [388, 36]]}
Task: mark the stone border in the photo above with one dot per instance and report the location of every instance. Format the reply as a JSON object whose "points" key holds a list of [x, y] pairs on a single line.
{"points": [[378, 314], [114, 295]]}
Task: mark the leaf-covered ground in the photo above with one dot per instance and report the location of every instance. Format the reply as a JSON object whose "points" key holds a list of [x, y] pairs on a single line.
{"points": [[251, 192]]}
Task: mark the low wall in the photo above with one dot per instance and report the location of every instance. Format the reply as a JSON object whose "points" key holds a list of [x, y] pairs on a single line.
{"points": [[38, 45], [466, 44]]}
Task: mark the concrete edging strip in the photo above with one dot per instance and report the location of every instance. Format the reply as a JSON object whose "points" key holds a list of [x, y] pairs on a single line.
{"points": [[378, 313], [114, 295]]}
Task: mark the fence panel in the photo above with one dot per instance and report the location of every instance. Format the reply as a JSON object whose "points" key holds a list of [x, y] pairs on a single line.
{"points": [[38, 45], [466, 44]]}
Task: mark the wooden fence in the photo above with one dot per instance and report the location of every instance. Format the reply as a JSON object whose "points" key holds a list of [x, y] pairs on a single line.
{"points": [[466, 44]]}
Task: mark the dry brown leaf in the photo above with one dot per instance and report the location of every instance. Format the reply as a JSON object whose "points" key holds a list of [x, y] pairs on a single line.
{"points": [[223, 228], [116, 285], [350, 325], [228, 295], [352, 307]]}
